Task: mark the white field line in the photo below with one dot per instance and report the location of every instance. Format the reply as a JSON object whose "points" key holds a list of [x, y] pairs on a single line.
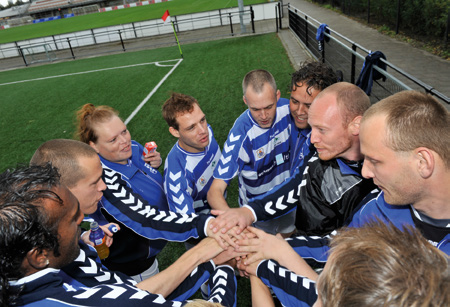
{"points": [[92, 71], [151, 93]]}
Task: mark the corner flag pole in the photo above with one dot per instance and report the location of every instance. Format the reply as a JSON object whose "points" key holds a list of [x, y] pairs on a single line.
{"points": [[175, 33], [166, 18]]}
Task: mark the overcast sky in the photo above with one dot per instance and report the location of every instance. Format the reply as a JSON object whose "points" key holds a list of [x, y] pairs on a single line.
{"points": [[5, 2]]}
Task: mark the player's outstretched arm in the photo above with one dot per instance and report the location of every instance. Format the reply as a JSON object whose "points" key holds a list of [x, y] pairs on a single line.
{"points": [[260, 293], [168, 280], [215, 195]]}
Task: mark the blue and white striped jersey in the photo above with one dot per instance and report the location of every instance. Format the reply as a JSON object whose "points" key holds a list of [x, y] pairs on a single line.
{"points": [[188, 176], [260, 156]]}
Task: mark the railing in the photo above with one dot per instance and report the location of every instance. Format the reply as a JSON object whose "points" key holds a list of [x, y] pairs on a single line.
{"points": [[139, 35], [347, 56]]}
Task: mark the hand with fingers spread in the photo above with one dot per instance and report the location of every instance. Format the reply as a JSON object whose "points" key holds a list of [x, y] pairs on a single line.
{"points": [[267, 246], [226, 219]]}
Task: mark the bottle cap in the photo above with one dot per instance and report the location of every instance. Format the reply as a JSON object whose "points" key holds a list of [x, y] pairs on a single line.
{"points": [[94, 225], [113, 228]]}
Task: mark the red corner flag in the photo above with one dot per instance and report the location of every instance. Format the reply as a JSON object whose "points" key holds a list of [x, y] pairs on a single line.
{"points": [[166, 16]]}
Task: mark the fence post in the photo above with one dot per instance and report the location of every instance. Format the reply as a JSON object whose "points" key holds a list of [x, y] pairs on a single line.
{"points": [[134, 30], [220, 16], [121, 40], [279, 14], [231, 24], [176, 24], [352, 76], [252, 16], [93, 36], [397, 26], [276, 17], [323, 52], [70, 47], [306, 31], [54, 41], [21, 53]]}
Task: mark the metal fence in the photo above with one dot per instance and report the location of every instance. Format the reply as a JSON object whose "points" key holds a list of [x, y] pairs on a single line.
{"points": [[347, 56], [138, 35]]}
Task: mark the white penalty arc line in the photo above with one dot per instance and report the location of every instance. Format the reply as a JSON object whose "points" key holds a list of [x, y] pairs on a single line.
{"points": [[92, 71], [139, 107]]}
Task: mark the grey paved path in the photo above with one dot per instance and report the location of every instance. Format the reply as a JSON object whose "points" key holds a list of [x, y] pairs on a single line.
{"points": [[428, 68]]}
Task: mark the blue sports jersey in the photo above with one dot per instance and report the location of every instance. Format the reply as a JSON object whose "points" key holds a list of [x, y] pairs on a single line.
{"points": [[291, 289], [260, 156], [86, 283], [301, 148], [140, 176], [315, 250], [188, 176]]}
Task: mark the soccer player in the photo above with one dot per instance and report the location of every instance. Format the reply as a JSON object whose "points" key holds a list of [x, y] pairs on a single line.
{"points": [[306, 83], [189, 166], [331, 187], [257, 148], [39, 235]]}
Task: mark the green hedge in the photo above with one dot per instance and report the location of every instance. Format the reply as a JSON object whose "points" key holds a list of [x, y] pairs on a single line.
{"points": [[422, 17]]}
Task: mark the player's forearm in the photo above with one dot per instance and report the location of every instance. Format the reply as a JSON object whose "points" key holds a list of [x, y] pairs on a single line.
{"points": [[291, 260], [168, 280], [216, 200], [260, 293]]}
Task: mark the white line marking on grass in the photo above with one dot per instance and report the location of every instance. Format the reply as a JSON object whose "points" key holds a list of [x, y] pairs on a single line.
{"points": [[151, 93], [91, 71]]}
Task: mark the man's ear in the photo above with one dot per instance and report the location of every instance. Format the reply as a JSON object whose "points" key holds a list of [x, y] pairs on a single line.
{"points": [[245, 100], [92, 144], [36, 260], [355, 125], [425, 161], [174, 132], [278, 95]]}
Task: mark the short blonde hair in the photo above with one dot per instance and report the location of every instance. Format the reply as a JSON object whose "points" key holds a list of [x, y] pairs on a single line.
{"points": [[202, 303], [413, 120], [380, 265]]}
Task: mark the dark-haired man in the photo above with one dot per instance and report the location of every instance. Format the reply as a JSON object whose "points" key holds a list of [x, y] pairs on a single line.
{"points": [[39, 235], [189, 166]]}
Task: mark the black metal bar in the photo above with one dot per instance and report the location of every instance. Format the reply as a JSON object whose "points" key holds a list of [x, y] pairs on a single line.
{"points": [[323, 51], [368, 11], [220, 16], [306, 32], [134, 30], [276, 18], [397, 26], [54, 40], [176, 24], [353, 69], [231, 24], [21, 53], [93, 36], [121, 40], [279, 14], [70, 46], [252, 15]]}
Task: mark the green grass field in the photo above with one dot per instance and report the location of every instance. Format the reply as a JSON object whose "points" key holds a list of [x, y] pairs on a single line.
{"points": [[98, 20], [34, 111]]}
